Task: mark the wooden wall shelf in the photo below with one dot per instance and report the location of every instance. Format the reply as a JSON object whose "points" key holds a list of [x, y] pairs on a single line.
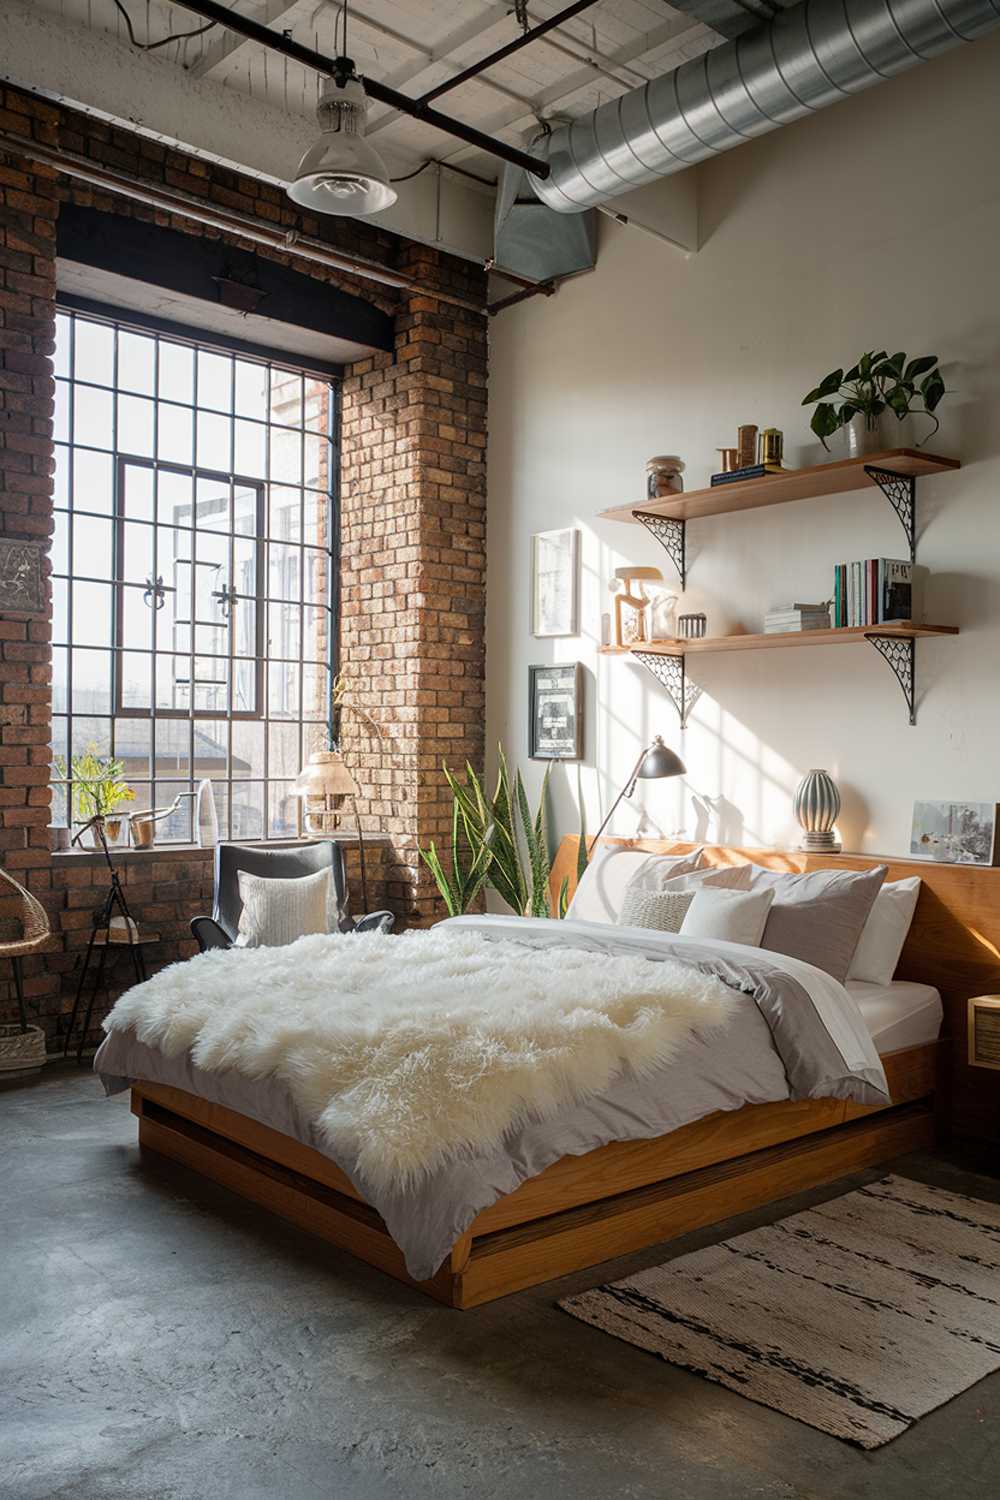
{"points": [[792, 484], [895, 641]]}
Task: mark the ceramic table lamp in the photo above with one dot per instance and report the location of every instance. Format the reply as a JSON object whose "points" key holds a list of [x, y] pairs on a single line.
{"points": [[817, 805]]}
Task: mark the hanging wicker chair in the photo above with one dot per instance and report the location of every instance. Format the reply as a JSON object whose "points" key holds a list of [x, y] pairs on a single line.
{"points": [[22, 1046]]}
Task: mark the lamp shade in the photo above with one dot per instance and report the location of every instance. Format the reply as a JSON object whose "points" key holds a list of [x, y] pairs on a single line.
{"points": [[342, 173], [325, 775], [660, 761]]}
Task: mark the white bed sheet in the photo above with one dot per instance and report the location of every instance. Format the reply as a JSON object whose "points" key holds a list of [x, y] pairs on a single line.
{"points": [[900, 1014]]}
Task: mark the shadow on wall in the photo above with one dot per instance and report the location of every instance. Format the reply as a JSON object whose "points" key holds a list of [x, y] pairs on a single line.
{"points": [[852, 824], [717, 821]]}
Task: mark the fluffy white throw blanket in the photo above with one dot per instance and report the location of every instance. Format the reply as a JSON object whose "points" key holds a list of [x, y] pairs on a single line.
{"points": [[407, 1052]]}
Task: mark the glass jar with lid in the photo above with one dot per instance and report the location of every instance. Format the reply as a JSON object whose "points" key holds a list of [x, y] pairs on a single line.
{"points": [[663, 476]]}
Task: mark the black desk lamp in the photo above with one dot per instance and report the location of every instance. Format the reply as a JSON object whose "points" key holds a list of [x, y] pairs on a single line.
{"points": [[654, 763]]}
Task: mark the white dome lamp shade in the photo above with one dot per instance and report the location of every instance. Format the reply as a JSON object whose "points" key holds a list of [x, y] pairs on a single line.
{"points": [[342, 174]]}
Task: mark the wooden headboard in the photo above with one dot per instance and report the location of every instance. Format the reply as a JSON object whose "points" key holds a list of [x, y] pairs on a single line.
{"points": [[953, 944]]}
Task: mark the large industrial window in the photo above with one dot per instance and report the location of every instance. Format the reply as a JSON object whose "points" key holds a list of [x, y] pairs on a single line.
{"points": [[193, 570]]}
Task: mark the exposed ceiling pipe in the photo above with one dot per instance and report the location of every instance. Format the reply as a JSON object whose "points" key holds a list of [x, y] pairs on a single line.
{"points": [[812, 55], [173, 201], [526, 37], [281, 43]]}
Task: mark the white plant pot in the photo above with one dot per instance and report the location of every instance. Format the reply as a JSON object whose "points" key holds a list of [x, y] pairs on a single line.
{"points": [[864, 438]]}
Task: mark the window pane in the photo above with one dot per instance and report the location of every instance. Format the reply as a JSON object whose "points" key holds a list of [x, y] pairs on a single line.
{"points": [[283, 572], [60, 430], [317, 462], [316, 568], [284, 633], [60, 543], [317, 518], [316, 691], [281, 811], [213, 506], [176, 829], [247, 810], [137, 492], [316, 634], [211, 684], [211, 748], [215, 380], [137, 552], [251, 449], [92, 547], [91, 681], [136, 679], [173, 748], [93, 482], [246, 511], [91, 736], [64, 334], [214, 439], [92, 606], [286, 456], [60, 611], [176, 372], [282, 692], [137, 619], [174, 433], [175, 498], [285, 524], [60, 476], [60, 686], [286, 397], [248, 748], [133, 743], [135, 425], [136, 363], [94, 354], [93, 416], [317, 405], [244, 699], [283, 750], [173, 682], [251, 390]]}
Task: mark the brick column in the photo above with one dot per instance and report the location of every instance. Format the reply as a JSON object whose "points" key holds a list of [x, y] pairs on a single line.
{"points": [[28, 212], [414, 569]]}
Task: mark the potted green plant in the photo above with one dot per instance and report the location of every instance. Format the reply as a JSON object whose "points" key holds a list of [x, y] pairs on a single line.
{"points": [[878, 385], [99, 789]]}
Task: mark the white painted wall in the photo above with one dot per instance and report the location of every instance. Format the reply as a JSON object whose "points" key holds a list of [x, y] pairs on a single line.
{"points": [[876, 223]]}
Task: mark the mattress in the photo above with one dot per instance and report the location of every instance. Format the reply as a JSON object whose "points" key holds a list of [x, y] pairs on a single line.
{"points": [[900, 1014]]}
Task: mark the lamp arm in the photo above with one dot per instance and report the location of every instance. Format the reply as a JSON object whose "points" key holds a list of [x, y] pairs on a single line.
{"points": [[626, 791]]}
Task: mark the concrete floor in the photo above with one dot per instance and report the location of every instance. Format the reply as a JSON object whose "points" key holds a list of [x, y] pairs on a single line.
{"points": [[162, 1340]]}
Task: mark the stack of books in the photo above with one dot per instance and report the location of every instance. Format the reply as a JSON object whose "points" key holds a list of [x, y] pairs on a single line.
{"points": [[751, 471], [784, 618], [873, 591]]}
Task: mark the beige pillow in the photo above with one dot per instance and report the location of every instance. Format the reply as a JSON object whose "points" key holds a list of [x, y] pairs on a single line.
{"points": [[728, 916], [664, 911], [819, 917], [600, 894], [276, 912]]}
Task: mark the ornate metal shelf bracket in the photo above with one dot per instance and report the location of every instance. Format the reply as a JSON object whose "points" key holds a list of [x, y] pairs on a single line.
{"points": [[670, 673], [901, 492], [671, 536], [901, 654]]}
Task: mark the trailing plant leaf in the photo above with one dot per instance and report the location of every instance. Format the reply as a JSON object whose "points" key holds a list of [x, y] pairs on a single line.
{"points": [[879, 382]]}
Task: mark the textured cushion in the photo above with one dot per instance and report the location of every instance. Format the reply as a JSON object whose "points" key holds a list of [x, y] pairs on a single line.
{"points": [[276, 912], [884, 934], [662, 910], [600, 894], [727, 915], [819, 917]]}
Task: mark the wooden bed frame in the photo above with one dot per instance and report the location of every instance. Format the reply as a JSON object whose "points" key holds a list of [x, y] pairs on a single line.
{"points": [[627, 1195]]}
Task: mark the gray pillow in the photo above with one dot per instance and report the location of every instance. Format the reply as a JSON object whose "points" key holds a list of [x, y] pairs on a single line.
{"points": [[819, 917]]}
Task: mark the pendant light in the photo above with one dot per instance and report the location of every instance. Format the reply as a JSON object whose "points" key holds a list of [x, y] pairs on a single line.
{"points": [[343, 173]]}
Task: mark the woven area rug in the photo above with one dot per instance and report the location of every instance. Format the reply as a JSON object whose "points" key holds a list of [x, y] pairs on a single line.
{"points": [[857, 1317]]}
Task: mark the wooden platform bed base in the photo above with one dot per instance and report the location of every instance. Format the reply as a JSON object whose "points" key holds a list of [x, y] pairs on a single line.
{"points": [[580, 1211]]}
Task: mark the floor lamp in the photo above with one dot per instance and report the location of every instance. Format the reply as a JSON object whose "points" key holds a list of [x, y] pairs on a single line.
{"points": [[655, 762], [322, 788]]}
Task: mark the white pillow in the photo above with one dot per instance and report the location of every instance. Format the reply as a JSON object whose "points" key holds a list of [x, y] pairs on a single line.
{"points": [[728, 916], [884, 933], [600, 894], [663, 911], [276, 912]]}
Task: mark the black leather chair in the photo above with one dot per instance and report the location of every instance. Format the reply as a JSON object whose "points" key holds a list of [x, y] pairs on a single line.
{"points": [[220, 929]]}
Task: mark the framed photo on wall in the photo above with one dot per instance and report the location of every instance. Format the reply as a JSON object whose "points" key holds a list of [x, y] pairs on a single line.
{"points": [[554, 591], [957, 833], [555, 714]]}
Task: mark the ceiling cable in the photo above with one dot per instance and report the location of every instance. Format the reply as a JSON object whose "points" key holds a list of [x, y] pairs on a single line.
{"points": [[165, 41]]}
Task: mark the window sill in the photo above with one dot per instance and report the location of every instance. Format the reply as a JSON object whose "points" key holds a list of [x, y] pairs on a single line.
{"points": [[166, 852]]}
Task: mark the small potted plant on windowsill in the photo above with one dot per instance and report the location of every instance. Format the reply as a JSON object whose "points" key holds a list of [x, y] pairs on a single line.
{"points": [[99, 789], [872, 392]]}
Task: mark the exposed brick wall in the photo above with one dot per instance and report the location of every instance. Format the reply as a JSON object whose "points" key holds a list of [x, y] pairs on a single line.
{"points": [[413, 531]]}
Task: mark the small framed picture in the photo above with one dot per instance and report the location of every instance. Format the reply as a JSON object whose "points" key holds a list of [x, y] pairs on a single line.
{"points": [[555, 717], [554, 569], [956, 833]]}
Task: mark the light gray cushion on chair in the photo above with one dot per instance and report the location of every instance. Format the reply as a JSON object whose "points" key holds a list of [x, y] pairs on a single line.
{"points": [[819, 917], [276, 912]]}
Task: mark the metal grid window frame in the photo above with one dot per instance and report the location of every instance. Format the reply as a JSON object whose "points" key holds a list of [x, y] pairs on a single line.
{"points": [[286, 713]]}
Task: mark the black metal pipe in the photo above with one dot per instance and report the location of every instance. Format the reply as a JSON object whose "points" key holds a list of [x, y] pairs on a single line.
{"points": [[502, 52], [209, 10]]}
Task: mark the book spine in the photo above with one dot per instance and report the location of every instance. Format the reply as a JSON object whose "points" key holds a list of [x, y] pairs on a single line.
{"points": [[733, 476]]}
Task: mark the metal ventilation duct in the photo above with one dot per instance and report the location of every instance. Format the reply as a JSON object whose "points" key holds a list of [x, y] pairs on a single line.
{"points": [[810, 56]]}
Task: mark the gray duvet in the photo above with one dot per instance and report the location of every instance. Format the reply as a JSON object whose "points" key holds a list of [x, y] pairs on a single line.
{"points": [[799, 1035]]}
